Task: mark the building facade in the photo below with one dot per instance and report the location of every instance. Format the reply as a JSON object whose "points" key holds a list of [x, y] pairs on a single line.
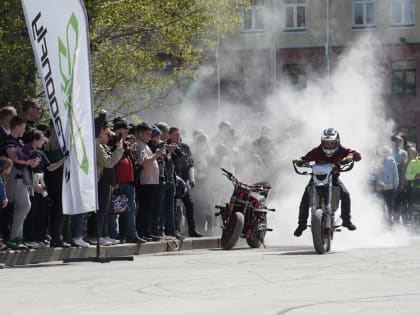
{"points": [[284, 40]]}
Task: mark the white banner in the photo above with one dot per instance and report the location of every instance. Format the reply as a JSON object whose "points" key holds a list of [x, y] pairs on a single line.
{"points": [[60, 40]]}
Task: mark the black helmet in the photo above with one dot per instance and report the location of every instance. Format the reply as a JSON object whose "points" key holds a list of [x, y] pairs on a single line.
{"points": [[330, 141]]}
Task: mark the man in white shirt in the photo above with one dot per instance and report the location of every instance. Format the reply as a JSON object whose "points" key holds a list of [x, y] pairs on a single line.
{"points": [[148, 183]]}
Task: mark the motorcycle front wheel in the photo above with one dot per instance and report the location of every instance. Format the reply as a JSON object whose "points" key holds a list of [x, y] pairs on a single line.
{"points": [[232, 230], [258, 235], [321, 238]]}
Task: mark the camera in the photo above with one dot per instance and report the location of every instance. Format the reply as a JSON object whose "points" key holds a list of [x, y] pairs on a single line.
{"points": [[164, 147]]}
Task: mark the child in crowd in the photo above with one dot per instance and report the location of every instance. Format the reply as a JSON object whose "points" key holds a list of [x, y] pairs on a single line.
{"points": [[6, 165]]}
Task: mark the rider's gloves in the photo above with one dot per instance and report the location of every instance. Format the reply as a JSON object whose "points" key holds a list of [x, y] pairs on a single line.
{"points": [[299, 163], [348, 159]]}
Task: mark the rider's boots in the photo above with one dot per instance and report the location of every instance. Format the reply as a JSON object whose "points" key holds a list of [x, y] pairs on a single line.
{"points": [[350, 226], [300, 229]]}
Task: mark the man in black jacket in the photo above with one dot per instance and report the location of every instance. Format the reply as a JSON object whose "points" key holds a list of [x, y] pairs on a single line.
{"points": [[184, 168], [167, 210]]}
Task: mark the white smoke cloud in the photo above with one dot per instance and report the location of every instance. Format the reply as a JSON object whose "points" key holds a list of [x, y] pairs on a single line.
{"points": [[354, 106], [350, 100]]}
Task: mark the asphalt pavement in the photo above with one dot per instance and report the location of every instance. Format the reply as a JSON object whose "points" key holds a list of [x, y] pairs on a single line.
{"points": [[277, 280]]}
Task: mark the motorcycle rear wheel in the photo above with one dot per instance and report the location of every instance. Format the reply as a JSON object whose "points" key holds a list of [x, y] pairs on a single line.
{"points": [[321, 238], [232, 231]]}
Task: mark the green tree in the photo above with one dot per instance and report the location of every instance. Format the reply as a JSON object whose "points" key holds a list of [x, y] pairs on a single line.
{"points": [[17, 67], [141, 50]]}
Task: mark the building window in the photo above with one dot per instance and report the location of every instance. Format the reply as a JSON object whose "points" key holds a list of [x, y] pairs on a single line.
{"points": [[363, 13], [296, 75], [295, 15], [255, 82], [402, 12], [253, 18], [404, 77]]}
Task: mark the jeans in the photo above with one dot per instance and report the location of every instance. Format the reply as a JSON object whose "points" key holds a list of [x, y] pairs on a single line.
{"points": [[98, 222], [77, 225], [166, 213], [22, 206], [128, 219]]}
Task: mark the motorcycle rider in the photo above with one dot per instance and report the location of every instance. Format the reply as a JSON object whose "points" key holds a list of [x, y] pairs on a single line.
{"points": [[329, 151]]}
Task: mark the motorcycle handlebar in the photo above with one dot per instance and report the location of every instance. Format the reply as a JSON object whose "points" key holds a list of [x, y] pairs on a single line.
{"points": [[305, 165], [230, 176], [345, 167], [339, 167], [226, 172], [264, 188]]}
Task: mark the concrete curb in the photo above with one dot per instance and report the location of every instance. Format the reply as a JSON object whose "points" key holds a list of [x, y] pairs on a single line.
{"points": [[44, 255]]}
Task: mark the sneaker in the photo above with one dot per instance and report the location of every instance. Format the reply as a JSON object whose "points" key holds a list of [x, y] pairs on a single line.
{"points": [[350, 226], [179, 236], [30, 245], [91, 240], [60, 244], [137, 240], [3, 245], [299, 230], [112, 240], [195, 233], [104, 242], [43, 245], [155, 238], [80, 242], [17, 245], [33, 245]]}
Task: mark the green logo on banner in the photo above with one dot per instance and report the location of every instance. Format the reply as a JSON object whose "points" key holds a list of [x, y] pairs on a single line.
{"points": [[67, 59]]}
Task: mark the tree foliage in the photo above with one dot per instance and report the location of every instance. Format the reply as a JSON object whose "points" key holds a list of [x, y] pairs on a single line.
{"points": [[17, 67], [140, 49], [143, 49]]}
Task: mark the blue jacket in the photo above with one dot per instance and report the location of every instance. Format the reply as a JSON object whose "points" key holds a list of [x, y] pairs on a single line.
{"points": [[389, 172]]}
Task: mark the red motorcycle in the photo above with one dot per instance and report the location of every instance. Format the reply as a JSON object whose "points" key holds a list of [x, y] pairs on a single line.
{"points": [[246, 213]]}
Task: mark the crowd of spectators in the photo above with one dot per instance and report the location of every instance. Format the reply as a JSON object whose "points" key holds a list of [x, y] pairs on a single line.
{"points": [[151, 184], [394, 178]]}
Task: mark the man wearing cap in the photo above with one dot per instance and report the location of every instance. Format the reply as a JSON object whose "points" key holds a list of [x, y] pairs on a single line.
{"points": [[125, 175], [105, 160]]}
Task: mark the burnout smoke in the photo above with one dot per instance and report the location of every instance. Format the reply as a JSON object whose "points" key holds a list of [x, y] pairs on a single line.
{"points": [[352, 104], [350, 100]]}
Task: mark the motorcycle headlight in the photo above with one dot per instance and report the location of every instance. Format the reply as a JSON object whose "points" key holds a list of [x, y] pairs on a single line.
{"points": [[321, 177]]}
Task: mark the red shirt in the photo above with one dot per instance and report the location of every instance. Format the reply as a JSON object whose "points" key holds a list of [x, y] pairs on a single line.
{"points": [[124, 170], [318, 155]]}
